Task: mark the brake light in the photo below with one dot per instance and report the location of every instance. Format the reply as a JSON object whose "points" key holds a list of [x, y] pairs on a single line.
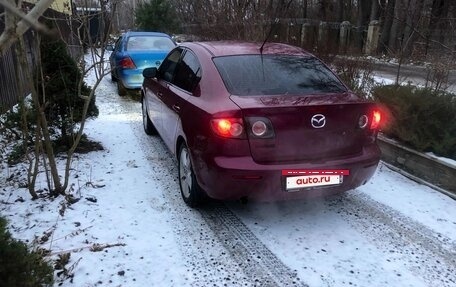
{"points": [[127, 63], [376, 118], [228, 127]]}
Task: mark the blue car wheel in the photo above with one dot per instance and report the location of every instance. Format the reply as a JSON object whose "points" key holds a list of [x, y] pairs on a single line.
{"points": [[121, 90]]}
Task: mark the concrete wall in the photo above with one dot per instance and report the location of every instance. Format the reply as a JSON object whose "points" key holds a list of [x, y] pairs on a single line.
{"points": [[422, 166]]}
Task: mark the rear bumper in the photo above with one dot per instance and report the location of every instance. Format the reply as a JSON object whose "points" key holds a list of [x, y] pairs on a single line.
{"points": [[131, 78], [237, 177]]}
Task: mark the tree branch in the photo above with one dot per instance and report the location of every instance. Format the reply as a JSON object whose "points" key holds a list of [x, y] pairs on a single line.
{"points": [[10, 35]]}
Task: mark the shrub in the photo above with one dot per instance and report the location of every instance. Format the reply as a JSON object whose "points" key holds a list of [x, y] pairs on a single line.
{"points": [[421, 118], [60, 78], [19, 266], [356, 74]]}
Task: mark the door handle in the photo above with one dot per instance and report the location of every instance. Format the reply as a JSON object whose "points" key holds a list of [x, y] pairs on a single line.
{"points": [[176, 108], [160, 94]]}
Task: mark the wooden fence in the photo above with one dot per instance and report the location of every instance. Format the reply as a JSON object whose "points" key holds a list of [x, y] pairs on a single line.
{"points": [[317, 36], [308, 33], [13, 86], [8, 84]]}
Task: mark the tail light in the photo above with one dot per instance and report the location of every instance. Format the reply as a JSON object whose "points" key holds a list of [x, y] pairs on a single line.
{"points": [[256, 127], [363, 121], [260, 127], [228, 127], [376, 118], [127, 63]]}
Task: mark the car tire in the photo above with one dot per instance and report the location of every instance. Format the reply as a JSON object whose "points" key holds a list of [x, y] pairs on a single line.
{"points": [[121, 90], [149, 127], [190, 190], [113, 79]]}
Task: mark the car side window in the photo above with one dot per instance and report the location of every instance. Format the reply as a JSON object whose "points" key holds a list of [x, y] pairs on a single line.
{"points": [[188, 72], [118, 43], [168, 67]]}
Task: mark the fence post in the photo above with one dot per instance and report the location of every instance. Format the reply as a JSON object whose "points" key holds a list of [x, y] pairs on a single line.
{"points": [[306, 36], [344, 35], [373, 34], [322, 35]]}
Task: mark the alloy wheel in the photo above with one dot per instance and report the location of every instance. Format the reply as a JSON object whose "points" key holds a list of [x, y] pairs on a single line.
{"points": [[185, 173]]}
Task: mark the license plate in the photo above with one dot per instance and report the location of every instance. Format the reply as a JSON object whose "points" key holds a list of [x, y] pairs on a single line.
{"points": [[137, 78], [313, 178]]}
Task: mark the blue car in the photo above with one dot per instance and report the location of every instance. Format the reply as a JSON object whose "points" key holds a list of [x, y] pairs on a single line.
{"points": [[132, 53]]}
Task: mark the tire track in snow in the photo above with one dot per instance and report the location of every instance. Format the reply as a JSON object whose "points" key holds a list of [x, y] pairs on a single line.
{"points": [[429, 255], [252, 258], [204, 261], [246, 262], [258, 262]]}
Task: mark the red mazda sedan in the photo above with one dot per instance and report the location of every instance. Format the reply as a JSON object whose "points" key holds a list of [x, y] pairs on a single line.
{"points": [[271, 121]]}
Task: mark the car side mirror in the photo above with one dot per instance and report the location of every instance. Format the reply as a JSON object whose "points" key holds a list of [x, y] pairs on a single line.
{"points": [[109, 47], [149, 73]]}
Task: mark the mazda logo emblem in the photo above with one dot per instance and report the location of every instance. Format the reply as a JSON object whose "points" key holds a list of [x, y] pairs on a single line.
{"points": [[318, 121]]}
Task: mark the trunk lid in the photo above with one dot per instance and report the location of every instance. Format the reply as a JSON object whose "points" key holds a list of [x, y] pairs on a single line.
{"points": [[146, 59], [307, 128]]}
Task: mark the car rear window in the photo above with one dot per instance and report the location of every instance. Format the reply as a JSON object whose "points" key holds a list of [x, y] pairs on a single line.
{"points": [[141, 43], [246, 75]]}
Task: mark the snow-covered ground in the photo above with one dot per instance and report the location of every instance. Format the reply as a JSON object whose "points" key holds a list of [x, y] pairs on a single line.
{"points": [[131, 228]]}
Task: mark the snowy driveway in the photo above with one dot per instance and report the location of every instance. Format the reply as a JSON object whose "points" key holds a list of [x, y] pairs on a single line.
{"points": [[390, 232]]}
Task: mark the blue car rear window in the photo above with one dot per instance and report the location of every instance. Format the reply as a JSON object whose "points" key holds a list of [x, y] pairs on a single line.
{"points": [[141, 43], [246, 75]]}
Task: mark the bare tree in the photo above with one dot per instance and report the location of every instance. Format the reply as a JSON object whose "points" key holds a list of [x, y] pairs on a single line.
{"points": [[388, 12], [362, 22], [226, 19], [17, 23], [375, 7], [304, 4], [413, 18], [43, 154], [97, 65]]}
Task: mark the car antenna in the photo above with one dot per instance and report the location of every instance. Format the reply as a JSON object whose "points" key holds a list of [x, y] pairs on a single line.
{"points": [[276, 21]]}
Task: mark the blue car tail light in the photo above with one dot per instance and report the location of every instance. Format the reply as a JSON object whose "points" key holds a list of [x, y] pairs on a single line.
{"points": [[127, 63]]}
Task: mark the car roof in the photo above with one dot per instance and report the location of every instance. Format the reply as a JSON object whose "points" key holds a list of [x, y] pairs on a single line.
{"points": [[141, 33], [226, 48]]}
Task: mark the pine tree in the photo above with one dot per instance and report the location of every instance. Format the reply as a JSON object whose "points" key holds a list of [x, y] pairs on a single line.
{"points": [[157, 16], [60, 78]]}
